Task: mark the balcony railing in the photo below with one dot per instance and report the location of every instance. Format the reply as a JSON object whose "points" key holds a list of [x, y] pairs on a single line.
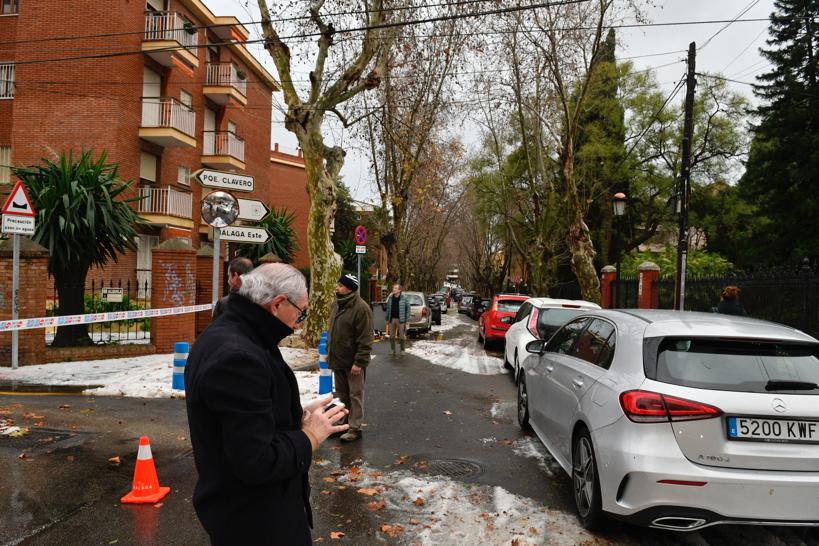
{"points": [[168, 25], [167, 112], [165, 201], [223, 143], [226, 75]]}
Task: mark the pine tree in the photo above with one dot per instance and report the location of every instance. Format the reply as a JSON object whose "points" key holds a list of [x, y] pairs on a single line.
{"points": [[782, 175]]}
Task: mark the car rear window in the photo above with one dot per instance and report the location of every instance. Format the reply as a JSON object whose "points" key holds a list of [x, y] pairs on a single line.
{"points": [[742, 366], [509, 306], [466, 299], [414, 299], [549, 320]]}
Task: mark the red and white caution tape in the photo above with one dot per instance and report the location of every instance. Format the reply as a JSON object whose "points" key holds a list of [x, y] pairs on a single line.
{"points": [[48, 322]]}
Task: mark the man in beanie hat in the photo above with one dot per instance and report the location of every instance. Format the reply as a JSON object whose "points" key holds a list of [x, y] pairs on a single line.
{"points": [[349, 343]]}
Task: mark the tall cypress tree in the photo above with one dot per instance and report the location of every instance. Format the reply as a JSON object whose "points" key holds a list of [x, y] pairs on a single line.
{"points": [[782, 175]]}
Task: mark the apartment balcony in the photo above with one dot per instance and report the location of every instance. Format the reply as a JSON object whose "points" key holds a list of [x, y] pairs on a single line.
{"points": [[223, 150], [168, 34], [166, 206], [167, 122], [224, 82]]}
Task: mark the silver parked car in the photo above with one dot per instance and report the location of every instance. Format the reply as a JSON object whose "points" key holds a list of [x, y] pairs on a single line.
{"points": [[679, 420], [420, 320]]}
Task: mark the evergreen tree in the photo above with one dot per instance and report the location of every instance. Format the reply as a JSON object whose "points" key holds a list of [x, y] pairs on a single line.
{"points": [[782, 175]]}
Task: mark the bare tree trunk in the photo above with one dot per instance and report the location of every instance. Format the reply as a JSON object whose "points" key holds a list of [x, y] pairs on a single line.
{"points": [[578, 238]]}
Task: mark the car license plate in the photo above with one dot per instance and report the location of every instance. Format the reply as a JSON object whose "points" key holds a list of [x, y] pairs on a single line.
{"points": [[773, 430]]}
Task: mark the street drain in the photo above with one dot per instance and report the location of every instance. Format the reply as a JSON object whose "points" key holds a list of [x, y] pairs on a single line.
{"points": [[453, 468]]}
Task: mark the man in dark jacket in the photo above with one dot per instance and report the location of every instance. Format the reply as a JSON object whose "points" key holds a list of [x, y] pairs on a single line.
{"points": [[236, 268], [252, 441], [349, 344]]}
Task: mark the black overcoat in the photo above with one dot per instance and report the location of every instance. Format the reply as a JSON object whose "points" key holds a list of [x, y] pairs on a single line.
{"points": [[245, 417]]}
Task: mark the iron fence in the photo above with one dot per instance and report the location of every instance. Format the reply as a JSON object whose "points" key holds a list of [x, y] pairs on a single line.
{"points": [[624, 293], [787, 295], [102, 296]]}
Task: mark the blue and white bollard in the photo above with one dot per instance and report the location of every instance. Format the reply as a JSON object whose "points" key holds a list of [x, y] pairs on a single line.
{"points": [[325, 373], [180, 358]]}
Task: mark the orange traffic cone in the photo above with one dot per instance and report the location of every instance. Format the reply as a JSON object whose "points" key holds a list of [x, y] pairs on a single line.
{"points": [[146, 485]]}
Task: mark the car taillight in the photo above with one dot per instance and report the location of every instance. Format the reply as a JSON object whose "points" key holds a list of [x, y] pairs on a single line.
{"points": [[424, 312], [532, 326], [653, 407]]}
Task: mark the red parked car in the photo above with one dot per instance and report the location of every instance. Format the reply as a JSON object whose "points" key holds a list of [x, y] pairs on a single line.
{"points": [[495, 321]]}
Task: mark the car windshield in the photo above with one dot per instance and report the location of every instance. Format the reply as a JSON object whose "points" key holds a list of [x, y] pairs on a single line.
{"points": [[414, 299], [509, 306], [466, 299], [743, 366], [549, 320]]}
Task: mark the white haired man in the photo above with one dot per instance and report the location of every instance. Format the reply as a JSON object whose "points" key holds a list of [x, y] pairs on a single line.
{"points": [[252, 440]]}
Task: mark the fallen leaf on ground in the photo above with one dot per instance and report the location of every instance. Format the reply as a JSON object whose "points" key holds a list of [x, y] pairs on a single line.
{"points": [[70, 458], [113, 541], [391, 530], [400, 460], [515, 542], [22, 456], [88, 411], [329, 479], [375, 506], [375, 474], [326, 492], [419, 502], [414, 521], [507, 442], [369, 491], [335, 535], [114, 461], [65, 406], [337, 472], [447, 412], [355, 470], [30, 415], [341, 487], [158, 505]]}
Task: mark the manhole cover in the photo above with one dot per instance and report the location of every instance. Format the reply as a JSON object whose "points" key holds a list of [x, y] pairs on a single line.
{"points": [[453, 468]]}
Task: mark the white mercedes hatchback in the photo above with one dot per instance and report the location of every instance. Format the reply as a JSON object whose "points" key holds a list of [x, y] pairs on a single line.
{"points": [[538, 318], [679, 420]]}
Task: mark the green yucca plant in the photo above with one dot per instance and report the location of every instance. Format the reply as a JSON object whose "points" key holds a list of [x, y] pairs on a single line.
{"points": [[83, 219]]}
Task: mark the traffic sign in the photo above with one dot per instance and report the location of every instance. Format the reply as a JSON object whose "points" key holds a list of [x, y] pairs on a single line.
{"points": [[21, 225], [225, 180], [360, 235], [251, 209], [360, 249], [18, 202], [244, 234]]}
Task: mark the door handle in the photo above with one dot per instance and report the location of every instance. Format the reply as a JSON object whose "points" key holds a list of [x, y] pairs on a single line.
{"points": [[549, 368], [578, 383]]}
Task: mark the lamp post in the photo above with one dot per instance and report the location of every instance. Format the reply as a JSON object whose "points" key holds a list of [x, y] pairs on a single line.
{"points": [[618, 203]]}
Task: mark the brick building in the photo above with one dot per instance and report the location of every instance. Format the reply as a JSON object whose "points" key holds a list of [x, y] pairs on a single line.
{"points": [[163, 88]]}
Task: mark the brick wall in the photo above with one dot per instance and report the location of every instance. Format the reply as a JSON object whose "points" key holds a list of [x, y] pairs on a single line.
{"points": [[174, 285], [33, 287], [289, 190]]}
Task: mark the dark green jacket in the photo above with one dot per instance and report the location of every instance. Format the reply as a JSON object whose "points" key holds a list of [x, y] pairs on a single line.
{"points": [[351, 333]]}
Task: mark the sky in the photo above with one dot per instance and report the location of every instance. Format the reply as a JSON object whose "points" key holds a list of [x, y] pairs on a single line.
{"points": [[733, 52]]}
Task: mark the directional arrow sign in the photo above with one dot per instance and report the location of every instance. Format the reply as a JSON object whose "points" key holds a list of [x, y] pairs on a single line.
{"points": [[251, 209], [242, 234], [225, 181]]}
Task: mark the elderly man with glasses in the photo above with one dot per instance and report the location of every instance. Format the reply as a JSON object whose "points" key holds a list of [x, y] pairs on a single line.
{"points": [[252, 440]]}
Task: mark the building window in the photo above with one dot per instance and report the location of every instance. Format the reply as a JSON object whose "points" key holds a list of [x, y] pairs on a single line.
{"points": [[186, 99], [183, 176], [9, 7], [6, 81], [5, 164], [147, 168]]}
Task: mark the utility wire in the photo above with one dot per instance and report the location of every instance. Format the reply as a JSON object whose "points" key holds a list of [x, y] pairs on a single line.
{"points": [[732, 21]]}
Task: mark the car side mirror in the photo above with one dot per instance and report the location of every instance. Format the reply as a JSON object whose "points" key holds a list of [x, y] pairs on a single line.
{"points": [[536, 347]]}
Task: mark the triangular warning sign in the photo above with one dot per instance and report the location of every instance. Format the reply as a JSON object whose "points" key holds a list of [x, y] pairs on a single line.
{"points": [[18, 202]]}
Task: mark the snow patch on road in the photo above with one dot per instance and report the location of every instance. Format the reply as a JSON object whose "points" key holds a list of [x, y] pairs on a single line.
{"points": [[450, 321], [450, 512], [531, 448], [466, 357], [139, 377]]}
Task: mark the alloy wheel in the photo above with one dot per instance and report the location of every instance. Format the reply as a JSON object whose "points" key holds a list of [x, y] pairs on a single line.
{"points": [[583, 476]]}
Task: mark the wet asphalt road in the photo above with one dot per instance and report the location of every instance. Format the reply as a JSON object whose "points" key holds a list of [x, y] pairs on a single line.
{"points": [[65, 492]]}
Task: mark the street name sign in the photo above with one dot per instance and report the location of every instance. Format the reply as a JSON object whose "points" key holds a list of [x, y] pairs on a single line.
{"points": [[244, 234], [224, 180], [251, 209]]}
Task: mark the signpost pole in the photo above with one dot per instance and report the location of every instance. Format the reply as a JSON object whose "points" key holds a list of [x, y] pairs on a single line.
{"points": [[359, 275], [216, 245], [15, 299]]}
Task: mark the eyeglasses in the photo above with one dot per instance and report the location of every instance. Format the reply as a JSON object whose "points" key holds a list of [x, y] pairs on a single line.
{"points": [[302, 312]]}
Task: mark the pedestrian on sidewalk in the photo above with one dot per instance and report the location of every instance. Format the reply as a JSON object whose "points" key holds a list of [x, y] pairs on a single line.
{"points": [[252, 440], [729, 302], [349, 343], [398, 313], [236, 268]]}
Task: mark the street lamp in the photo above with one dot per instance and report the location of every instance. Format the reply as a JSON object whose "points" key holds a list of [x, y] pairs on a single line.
{"points": [[618, 203]]}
